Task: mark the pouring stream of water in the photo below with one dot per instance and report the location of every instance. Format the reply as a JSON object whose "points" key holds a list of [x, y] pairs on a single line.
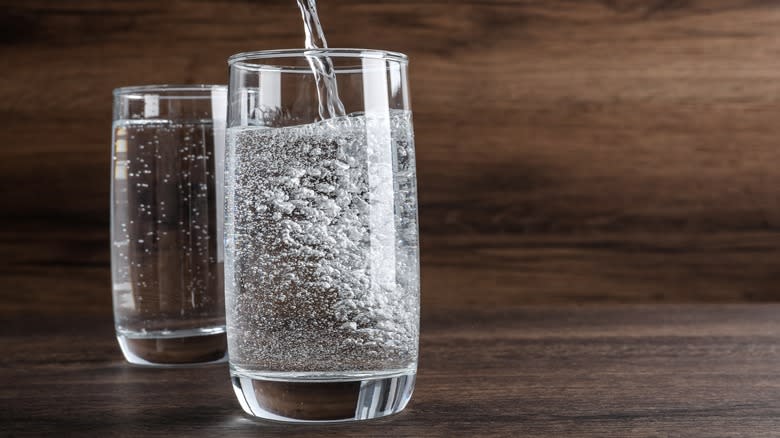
{"points": [[322, 67]]}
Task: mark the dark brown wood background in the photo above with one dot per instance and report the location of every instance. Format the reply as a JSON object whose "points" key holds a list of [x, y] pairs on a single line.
{"points": [[568, 151]]}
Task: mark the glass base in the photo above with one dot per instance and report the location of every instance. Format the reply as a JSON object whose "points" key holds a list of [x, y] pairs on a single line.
{"points": [[172, 351], [323, 401]]}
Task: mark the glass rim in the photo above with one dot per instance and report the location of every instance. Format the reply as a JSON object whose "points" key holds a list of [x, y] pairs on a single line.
{"points": [[244, 59], [166, 88]]}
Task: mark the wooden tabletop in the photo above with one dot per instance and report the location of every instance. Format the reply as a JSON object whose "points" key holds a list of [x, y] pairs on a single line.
{"points": [[617, 370]]}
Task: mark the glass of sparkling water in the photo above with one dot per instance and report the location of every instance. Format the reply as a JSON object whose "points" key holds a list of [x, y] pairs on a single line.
{"points": [[166, 258], [321, 237]]}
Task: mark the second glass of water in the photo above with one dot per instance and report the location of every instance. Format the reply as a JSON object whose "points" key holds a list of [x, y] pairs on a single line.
{"points": [[321, 237], [166, 228]]}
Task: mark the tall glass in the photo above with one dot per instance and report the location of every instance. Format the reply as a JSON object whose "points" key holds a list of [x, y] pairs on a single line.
{"points": [[166, 258], [321, 241]]}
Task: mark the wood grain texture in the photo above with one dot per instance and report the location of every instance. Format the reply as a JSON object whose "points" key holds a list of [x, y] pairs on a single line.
{"points": [[621, 150], [602, 371]]}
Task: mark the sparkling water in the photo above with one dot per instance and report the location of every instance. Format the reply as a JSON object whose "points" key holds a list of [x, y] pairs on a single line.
{"points": [[167, 276], [322, 277]]}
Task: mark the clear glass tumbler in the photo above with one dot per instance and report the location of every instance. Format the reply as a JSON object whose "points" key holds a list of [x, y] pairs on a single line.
{"points": [[321, 238], [166, 230]]}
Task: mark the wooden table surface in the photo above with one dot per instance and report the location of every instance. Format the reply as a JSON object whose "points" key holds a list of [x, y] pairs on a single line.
{"points": [[648, 370]]}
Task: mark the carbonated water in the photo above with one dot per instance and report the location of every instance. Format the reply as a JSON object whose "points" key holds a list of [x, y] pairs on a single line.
{"points": [[322, 249], [167, 275]]}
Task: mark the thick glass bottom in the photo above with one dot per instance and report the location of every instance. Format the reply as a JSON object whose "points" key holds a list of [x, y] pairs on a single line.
{"points": [[174, 349], [306, 400]]}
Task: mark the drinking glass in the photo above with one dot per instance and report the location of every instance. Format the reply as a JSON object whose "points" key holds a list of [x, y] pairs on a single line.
{"points": [[321, 238], [166, 259]]}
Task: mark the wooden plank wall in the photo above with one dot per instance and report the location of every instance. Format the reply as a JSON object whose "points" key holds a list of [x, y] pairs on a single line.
{"points": [[568, 151]]}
